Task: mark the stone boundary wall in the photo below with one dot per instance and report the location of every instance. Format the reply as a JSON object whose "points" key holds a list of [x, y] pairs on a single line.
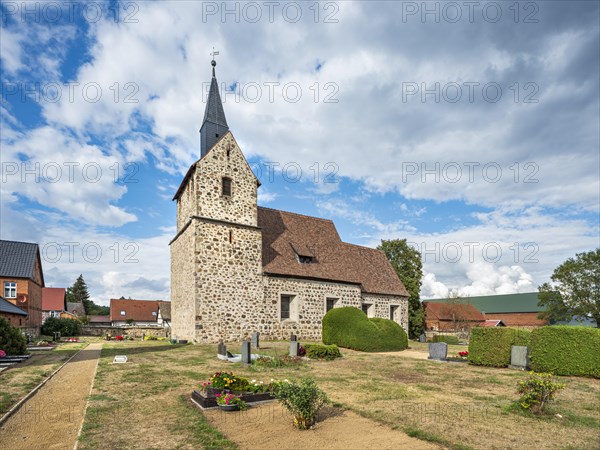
{"points": [[136, 332]]}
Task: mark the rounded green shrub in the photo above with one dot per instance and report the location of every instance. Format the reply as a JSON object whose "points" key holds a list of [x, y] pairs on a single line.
{"points": [[12, 340], [319, 351], [66, 327], [566, 350], [491, 346], [349, 327]]}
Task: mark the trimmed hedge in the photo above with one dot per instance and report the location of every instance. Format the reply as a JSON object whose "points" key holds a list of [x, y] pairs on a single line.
{"points": [[12, 340], [566, 350], [349, 327], [448, 339], [491, 346], [318, 351]]}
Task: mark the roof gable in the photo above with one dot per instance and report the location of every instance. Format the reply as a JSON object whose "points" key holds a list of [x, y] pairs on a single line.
{"points": [[287, 235], [18, 259], [53, 299], [193, 167]]}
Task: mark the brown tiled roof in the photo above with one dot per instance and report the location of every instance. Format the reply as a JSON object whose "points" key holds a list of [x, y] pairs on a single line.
{"points": [[53, 299], [138, 310], [99, 319], [285, 235], [450, 311], [165, 310], [528, 319]]}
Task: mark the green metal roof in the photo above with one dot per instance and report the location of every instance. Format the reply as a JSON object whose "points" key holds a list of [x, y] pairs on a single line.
{"points": [[510, 303]]}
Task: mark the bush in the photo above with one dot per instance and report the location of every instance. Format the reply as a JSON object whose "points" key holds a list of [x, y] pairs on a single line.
{"points": [[448, 339], [66, 327], [318, 351], [149, 337], [303, 400], [12, 340], [537, 390], [491, 346], [566, 350], [349, 327]]}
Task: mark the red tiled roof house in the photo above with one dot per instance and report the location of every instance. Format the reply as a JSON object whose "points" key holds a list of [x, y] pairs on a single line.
{"points": [[451, 316], [138, 312]]}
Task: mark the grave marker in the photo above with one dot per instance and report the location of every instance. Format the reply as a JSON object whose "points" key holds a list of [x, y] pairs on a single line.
{"points": [[246, 352], [255, 339], [519, 357], [438, 351], [120, 359], [294, 348]]}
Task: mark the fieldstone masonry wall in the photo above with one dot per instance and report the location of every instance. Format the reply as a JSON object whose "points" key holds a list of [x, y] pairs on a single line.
{"points": [[382, 304], [310, 297]]}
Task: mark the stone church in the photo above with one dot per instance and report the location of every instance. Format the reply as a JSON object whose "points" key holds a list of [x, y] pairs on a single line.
{"points": [[237, 267]]}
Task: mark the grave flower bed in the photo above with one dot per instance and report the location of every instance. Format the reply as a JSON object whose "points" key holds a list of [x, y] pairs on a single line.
{"points": [[223, 383]]}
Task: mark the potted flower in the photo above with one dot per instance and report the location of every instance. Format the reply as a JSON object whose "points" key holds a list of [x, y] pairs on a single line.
{"points": [[463, 355], [2, 354], [230, 402], [119, 338]]}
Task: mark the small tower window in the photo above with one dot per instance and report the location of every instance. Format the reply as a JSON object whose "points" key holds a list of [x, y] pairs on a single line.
{"points": [[226, 186], [231, 236]]}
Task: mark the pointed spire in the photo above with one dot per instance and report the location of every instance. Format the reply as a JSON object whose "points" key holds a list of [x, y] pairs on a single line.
{"points": [[214, 124]]}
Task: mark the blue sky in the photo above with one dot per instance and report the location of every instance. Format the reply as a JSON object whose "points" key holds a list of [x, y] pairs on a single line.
{"points": [[473, 132]]}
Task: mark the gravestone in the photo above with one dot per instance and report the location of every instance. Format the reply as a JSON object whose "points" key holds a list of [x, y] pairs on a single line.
{"points": [[438, 350], [246, 352], [222, 349], [423, 338], [120, 359], [294, 348], [519, 357], [255, 339], [293, 338]]}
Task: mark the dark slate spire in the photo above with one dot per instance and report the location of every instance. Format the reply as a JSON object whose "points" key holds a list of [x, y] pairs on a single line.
{"points": [[214, 124]]}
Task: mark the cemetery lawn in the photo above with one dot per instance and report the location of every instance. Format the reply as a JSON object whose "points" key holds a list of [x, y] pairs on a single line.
{"points": [[20, 379], [145, 402]]}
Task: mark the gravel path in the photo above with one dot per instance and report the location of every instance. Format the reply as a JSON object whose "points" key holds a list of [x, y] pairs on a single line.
{"points": [[51, 419]]}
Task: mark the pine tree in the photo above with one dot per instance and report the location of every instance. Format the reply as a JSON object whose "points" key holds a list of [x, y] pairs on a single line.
{"points": [[78, 293]]}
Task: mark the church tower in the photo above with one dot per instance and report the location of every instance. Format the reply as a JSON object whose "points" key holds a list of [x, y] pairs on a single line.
{"points": [[216, 261]]}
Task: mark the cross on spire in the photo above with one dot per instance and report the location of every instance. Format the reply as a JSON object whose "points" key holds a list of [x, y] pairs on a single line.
{"points": [[213, 62]]}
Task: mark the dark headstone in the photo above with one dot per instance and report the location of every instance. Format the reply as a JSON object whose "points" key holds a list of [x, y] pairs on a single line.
{"points": [[423, 338], [222, 350], [294, 348], [438, 350], [246, 352], [293, 338], [255, 339]]}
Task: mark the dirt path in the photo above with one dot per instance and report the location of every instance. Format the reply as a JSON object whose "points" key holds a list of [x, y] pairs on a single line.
{"points": [[268, 426], [51, 419]]}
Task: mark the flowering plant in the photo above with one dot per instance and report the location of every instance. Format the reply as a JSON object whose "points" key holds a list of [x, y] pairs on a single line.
{"points": [[231, 399], [227, 380], [119, 338], [2, 353], [464, 354], [204, 385]]}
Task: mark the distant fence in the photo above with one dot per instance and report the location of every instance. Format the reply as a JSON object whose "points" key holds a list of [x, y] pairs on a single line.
{"points": [[133, 331]]}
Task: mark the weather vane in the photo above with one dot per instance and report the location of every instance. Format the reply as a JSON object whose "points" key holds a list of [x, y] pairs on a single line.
{"points": [[214, 53]]}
